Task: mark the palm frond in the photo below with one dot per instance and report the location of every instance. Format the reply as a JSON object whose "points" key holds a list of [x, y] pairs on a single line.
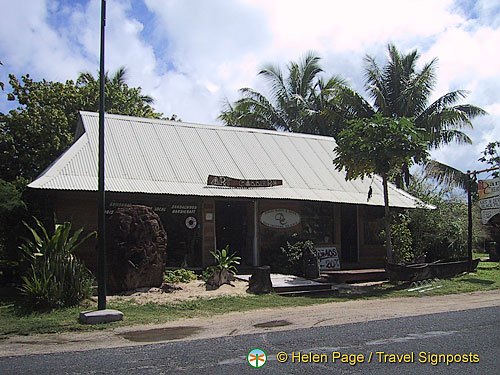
{"points": [[445, 174], [255, 110], [120, 76], [447, 136], [146, 99], [373, 79], [355, 105], [275, 77], [470, 110], [444, 101], [418, 89], [309, 69]]}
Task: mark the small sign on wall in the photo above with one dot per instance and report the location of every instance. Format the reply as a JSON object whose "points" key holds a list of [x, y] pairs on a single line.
{"points": [[280, 218], [328, 258], [191, 222]]}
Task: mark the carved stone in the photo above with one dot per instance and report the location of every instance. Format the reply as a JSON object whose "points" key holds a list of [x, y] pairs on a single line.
{"points": [[136, 246]]}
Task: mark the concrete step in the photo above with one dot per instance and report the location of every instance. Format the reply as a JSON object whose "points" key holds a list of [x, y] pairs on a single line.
{"points": [[292, 284], [293, 289]]}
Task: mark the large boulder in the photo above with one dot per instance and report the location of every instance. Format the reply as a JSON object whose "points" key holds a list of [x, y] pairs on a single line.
{"points": [[136, 245]]}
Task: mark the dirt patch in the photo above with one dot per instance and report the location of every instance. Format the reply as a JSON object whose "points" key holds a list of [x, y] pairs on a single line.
{"points": [[180, 292]]}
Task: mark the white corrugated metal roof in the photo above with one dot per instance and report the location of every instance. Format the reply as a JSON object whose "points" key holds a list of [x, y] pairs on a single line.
{"points": [[168, 157]]}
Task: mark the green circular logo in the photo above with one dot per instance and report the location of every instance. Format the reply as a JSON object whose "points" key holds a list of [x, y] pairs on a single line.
{"points": [[256, 357]]}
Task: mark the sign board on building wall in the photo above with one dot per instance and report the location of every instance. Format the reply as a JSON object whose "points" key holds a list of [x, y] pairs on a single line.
{"points": [[280, 218], [328, 258], [236, 182], [489, 198]]}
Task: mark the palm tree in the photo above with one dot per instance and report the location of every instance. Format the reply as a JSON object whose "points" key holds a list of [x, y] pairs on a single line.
{"points": [[301, 102], [119, 97], [399, 89]]}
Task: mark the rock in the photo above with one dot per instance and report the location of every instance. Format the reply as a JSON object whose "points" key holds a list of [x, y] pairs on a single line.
{"points": [[100, 316], [169, 288], [218, 278], [136, 245], [260, 281]]}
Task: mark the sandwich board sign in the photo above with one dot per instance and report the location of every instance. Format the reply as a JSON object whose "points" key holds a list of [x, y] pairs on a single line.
{"points": [[328, 258]]}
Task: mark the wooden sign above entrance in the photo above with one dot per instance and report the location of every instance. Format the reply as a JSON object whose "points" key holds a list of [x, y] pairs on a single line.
{"points": [[235, 182]]}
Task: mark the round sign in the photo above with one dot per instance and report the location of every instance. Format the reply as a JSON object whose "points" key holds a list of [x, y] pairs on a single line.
{"points": [[191, 222]]}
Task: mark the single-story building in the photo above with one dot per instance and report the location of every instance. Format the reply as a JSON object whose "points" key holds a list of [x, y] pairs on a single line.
{"points": [[214, 186]]}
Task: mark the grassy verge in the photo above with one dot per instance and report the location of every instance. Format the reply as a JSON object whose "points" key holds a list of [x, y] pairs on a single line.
{"points": [[15, 321]]}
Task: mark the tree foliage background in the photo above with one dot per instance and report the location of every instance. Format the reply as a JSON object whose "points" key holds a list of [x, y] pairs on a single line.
{"points": [[304, 101], [382, 146], [41, 128], [442, 233]]}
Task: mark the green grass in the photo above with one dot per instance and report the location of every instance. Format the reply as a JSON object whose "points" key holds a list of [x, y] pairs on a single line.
{"points": [[15, 321]]}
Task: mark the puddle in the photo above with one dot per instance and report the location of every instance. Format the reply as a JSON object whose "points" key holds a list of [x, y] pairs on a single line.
{"points": [[273, 323], [161, 334]]}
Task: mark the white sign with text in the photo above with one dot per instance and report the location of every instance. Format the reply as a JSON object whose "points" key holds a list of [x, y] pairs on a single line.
{"points": [[328, 258]]}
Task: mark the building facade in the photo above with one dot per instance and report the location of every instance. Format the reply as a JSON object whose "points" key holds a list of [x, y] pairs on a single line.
{"points": [[214, 186]]}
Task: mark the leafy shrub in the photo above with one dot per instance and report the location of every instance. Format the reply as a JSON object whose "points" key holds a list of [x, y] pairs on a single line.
{"points": [[180, 275], [207, 273], [402, 249], [292, 256], [224, 260], [53, 276], [441, 233]]}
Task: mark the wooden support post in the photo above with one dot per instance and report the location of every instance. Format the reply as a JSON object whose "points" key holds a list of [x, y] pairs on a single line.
{"points": [[469, 217]]}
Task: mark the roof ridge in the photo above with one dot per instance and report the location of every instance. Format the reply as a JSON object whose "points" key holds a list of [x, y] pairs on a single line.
{"points": [[208, 126]]}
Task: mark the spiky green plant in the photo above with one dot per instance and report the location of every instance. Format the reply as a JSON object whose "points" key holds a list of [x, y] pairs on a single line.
{"points": [[226, 260], [53, 276]]}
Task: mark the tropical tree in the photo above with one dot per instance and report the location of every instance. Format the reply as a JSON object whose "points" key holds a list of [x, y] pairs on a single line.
{"points": [[119, 97], [491, 156], [379, 145], [400, 89], [301, 102], [35, 133], [39, 129], [42, 127]]}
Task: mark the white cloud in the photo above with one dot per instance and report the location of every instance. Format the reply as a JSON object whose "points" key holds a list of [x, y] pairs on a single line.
{"points": [[351, 25], [30, 45]]}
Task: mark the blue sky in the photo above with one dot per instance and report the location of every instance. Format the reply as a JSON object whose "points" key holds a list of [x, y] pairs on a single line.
{"points": [[191, 55]]}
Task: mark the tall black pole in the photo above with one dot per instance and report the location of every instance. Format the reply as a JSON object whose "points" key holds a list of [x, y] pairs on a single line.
{"points": [[469, 217], [101, 234]]}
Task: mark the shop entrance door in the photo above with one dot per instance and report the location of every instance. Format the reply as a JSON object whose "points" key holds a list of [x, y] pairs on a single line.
{"points": [[232, 228], [349, 233]]}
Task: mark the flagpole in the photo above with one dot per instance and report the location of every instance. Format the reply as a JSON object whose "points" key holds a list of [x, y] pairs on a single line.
{"points": [[101, 229]]}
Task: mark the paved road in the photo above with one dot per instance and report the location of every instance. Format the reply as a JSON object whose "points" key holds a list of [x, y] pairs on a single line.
{"points": [[467, 333]]}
